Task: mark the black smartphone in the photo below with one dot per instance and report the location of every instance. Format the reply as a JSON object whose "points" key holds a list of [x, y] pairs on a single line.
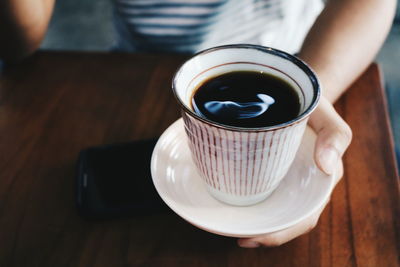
{"points": [[114, 181]]}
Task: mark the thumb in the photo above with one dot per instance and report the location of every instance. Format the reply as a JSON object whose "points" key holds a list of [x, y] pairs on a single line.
{"points": [[333, 136]]}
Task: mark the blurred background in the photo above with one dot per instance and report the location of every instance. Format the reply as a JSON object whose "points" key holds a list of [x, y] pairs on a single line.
{"points": [[86, 25]]}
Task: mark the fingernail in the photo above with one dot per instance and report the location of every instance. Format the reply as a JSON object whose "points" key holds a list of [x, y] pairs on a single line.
{"points": [[328, 160], [248, 244]]}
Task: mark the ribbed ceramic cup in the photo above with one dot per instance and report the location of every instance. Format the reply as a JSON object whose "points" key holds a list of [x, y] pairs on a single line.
{"points": [[243, 166]]}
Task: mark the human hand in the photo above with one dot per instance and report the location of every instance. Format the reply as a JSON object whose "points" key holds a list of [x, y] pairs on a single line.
{"points": [[333, 138]]}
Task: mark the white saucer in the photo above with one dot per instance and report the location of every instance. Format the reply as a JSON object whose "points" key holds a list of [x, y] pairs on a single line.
{"points": [[304, 189]]}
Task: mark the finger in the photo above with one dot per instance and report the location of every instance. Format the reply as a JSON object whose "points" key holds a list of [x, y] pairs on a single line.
{"points": [[333, 136], [278, 238], [339, 172], [281, 237]]}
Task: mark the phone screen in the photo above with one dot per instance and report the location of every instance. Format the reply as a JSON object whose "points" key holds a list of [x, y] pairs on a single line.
{"points": [[115, 181]]}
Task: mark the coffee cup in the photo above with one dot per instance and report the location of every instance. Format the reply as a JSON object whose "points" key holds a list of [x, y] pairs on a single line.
{"points": [[244, 165]]}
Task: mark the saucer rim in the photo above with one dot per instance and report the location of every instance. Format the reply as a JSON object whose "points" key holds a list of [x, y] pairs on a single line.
{"points": [[216, 230]]}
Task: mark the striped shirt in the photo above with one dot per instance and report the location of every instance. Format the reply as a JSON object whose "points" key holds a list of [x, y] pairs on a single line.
{"points": [[188, 26]]}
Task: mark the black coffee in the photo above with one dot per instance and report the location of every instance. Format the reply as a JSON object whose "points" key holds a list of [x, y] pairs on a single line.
{"points": [[246, 99]]}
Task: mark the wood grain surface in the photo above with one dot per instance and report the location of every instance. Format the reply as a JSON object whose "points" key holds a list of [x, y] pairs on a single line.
{"points": [[55, 104]]}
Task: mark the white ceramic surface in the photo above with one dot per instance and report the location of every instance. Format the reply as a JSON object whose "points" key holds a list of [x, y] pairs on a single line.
{"points": [[303, 190], [242, 166]]}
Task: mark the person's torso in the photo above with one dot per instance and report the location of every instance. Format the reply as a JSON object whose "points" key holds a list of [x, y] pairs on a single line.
{"points": [[188, 26]]}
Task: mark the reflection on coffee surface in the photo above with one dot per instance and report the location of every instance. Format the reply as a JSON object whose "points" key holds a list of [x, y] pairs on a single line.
{"points": [[246, 99]]}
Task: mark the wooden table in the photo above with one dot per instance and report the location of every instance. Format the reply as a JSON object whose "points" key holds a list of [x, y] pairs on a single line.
{"points": [[55, 104]]}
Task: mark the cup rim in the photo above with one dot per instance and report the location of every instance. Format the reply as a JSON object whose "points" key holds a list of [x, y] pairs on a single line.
{"points": [[298, 62]]}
